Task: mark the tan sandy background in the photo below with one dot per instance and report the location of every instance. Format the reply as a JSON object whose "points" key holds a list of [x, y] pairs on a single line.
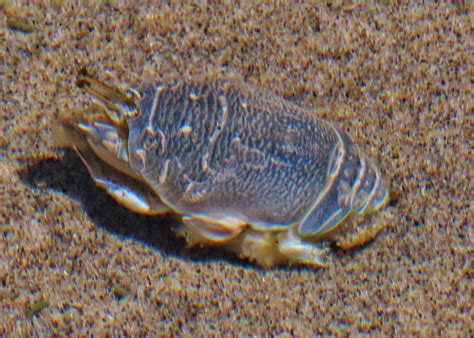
{"points": [[72, 261]]}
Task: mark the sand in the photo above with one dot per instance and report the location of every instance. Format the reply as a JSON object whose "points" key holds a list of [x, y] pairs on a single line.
{"points": [[72, 261]]}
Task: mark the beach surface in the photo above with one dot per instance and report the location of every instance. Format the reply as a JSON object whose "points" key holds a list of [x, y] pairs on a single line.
{"points": [[398, 80]]}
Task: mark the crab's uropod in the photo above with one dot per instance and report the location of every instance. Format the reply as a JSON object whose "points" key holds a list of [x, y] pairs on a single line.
{"points": [[244, 168]]}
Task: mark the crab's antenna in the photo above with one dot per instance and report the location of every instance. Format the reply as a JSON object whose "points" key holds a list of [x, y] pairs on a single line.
{"points": [[117, 104]]}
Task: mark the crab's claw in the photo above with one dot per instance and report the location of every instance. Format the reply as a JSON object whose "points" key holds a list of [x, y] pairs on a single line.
{"points": [[99, 135]]}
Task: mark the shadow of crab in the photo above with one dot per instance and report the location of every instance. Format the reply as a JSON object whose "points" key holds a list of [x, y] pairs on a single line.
{"points": [[69, 176]]}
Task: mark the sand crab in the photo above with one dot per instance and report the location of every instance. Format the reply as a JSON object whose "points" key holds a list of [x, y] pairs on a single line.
{"points": [[245, 169]]}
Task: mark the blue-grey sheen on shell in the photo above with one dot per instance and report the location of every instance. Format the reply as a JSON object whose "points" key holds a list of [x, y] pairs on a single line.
{"points": [[218, 147], [220, 151]]}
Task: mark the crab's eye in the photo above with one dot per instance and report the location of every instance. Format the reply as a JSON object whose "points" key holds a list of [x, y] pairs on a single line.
{"points": [[134, 93], [130, 110]]}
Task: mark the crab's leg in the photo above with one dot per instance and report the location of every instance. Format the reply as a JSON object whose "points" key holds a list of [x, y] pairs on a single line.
{"points": [[365, 230], [300, 252], [259, 246], [273, 248], [129, 193], [106, 143], [198, 229]]}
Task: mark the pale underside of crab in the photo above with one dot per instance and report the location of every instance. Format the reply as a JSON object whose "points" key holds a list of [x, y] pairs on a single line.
{"points": [[245, 169]]}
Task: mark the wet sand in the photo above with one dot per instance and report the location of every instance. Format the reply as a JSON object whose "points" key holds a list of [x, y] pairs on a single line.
{"points": [[72, 261]]}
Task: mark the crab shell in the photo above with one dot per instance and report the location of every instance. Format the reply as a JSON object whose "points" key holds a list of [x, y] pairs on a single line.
{"points": [[244, 168]]}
